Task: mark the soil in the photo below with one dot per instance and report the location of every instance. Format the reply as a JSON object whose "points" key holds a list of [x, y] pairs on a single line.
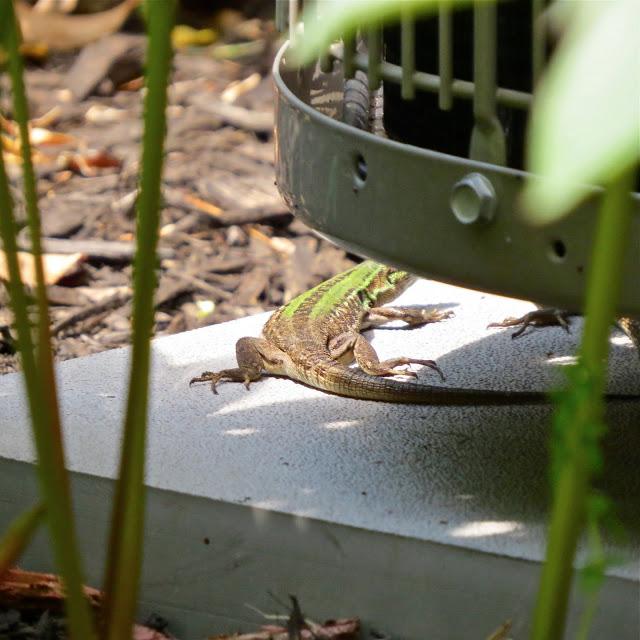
{"points": [[228, 247]]}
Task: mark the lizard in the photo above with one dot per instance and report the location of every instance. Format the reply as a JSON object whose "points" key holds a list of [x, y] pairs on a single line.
{"points": [[313, 338]]}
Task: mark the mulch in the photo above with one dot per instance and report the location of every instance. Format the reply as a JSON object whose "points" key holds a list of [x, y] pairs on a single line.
{"points": [[229, 246]]}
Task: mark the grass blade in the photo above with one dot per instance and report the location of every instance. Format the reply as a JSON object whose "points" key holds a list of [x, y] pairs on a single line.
{"points": [[37, 363], [125, 544], [18, 535]]}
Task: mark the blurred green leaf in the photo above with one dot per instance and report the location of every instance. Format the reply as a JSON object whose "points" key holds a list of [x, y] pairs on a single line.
{"points": [[331, 19], [585, 125], [18, 535], [122, 575]]}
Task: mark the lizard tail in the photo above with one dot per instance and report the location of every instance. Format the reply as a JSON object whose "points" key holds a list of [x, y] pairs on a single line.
{"points": [[353, 383]]}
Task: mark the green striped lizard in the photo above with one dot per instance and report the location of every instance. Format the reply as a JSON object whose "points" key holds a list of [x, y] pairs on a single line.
{"points": [[314, 338]]}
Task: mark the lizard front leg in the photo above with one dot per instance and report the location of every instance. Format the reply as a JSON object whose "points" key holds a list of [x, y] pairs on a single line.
{"points": [[254, 355], [367, 358], [413, 316]]}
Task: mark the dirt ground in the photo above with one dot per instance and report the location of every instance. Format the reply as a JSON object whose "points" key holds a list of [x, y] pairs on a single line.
{"points": [[228, 248]]}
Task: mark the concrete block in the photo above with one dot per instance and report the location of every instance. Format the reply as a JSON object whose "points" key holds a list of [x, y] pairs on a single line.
{"points": [[428, 522]]}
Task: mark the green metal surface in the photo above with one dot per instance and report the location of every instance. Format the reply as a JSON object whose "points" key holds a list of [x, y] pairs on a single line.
{"points": [[395, 203]]}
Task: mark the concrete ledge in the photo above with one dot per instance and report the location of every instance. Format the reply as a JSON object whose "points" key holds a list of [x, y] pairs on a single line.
{"points": [[425, 521]]}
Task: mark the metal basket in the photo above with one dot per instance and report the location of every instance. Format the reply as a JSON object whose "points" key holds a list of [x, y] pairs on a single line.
{"points": [[446, 209]]}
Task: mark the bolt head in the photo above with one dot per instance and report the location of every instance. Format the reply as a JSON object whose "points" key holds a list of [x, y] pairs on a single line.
{"points": [[473, 199]]}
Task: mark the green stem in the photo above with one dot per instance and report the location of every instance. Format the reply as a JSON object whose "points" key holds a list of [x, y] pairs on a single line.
{"points": [[38, 370], [573, 478], [125, 544], [18, 535]]}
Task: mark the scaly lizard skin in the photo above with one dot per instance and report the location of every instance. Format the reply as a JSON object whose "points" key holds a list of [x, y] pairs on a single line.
{"points": [[313, 338]]}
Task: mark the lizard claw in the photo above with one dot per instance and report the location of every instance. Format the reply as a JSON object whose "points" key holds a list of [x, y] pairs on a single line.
{"points": [[432, 364], [205, 376]]}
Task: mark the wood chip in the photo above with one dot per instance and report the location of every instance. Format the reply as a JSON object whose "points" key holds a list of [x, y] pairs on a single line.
{"points": [[61, 32], [253, 285], [239, 117], [56, 266], [236, 88], [347, 629], [118, 57], [113, 302], [34, 590], [98, 249], [184, 200]]}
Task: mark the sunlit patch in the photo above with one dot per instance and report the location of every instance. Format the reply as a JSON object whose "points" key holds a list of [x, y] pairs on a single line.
{"points": [[241, 432], [485, 528], [341, 424], [258, 398], [563, 361], [621, 340], [261, 510]]}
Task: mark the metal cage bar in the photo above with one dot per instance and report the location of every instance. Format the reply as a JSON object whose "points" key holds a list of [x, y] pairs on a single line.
{"points": [[445, 57], [431, 83], [348, 57], [374, 44], [408, 53], [487, 139]]}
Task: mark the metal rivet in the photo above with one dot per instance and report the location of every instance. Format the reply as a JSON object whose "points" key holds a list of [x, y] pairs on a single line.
{"points": [[473, 199]]}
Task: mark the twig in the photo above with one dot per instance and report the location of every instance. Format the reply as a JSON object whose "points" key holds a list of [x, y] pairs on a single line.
{"points": [[110, 303]]}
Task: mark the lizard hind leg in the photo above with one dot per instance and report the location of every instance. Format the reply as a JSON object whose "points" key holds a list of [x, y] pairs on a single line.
{"points": [[253, 355], [414, 317], [544, 317], [367, 358]]}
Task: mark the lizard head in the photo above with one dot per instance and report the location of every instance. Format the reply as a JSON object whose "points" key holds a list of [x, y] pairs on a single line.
{"points": [[391, 283]]}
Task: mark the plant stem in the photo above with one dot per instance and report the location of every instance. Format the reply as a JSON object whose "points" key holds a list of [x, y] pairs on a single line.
{"points": [[18, 535], [573, 479], [122, 574], [38, 370]]}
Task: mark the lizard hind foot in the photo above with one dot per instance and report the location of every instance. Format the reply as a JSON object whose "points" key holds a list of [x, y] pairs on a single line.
{"points": [[545, 317], [205, 376], [209, 376], [233, 375], [432, 364]]}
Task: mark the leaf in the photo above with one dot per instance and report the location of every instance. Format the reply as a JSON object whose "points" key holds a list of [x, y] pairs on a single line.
{"points": [[332, 19], [585, 125]]}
